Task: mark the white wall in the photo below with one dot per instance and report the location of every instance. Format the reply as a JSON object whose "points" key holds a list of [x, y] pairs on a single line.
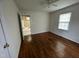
{"points": [[73, 32], [11, 27], [39, 21]]}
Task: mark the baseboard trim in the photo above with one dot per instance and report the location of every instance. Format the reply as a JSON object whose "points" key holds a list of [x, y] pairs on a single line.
{"points": [[58, 36], [39, 33], [65, 38]]}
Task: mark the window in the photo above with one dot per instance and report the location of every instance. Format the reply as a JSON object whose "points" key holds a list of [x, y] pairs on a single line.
{"points": [[64, 21]]}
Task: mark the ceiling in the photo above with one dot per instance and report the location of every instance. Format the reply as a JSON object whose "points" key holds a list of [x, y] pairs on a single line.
{"points": [[35, 5]]}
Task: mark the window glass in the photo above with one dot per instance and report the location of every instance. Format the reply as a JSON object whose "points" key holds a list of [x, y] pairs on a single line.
{"points": [[64, 21]]}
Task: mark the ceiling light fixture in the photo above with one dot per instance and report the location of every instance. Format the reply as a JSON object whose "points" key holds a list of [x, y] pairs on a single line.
{"points": [[49, 2]]}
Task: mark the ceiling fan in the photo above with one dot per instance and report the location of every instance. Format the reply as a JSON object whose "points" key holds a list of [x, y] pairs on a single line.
{"points": [[49, 2]]}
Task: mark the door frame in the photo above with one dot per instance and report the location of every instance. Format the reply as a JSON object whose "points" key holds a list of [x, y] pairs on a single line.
{"points": [[20, 27]]}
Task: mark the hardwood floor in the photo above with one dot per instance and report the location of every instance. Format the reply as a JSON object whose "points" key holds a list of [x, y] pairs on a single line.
{"points": [[48, 45]]}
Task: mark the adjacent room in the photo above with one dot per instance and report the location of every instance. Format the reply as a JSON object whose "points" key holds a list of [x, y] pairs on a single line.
{"points": [[39, 28]]}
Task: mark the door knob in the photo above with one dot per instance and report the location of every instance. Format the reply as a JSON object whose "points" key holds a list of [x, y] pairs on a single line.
{"points": [[6, 45]]}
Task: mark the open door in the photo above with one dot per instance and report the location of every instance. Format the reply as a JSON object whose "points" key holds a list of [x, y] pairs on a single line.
{"points": [[4, 52]]}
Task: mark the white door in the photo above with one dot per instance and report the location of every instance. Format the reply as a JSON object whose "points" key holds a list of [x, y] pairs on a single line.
{"points": [[4, 53]]}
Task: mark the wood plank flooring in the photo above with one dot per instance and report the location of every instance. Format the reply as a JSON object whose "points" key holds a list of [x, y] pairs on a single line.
{"points": [[48, 45]]}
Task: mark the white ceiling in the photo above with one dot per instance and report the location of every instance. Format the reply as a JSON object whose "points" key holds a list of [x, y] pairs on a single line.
{"points": [[34, 5]]}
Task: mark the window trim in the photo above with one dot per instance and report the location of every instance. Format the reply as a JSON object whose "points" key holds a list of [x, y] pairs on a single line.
{"points": [[64, 21]]}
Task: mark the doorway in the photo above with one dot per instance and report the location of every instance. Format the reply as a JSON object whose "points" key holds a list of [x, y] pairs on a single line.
{"points": [[26, 27]]}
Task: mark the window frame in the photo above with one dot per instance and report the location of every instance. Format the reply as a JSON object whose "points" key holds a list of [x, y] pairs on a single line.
{"points": [[68, 22]]}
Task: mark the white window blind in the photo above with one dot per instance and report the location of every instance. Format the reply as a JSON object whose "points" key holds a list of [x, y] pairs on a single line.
{"points": [[64, 21]]}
